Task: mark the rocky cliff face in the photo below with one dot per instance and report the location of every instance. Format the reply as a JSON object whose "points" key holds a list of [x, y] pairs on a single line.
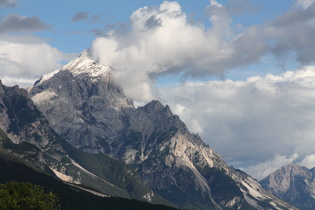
{"points": [[27, 127], [83, 104], [293, 183], [26, 132]]}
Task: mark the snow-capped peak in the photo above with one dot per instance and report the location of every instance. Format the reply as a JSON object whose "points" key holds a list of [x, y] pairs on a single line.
{"points": [[84, 64]]}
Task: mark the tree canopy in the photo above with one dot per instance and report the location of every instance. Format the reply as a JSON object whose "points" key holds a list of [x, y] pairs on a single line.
{"points": [[26, 196]]}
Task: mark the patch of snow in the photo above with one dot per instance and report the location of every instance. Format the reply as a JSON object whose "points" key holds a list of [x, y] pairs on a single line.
{"points": [[49, 75], [44, 78], [85, 65]]}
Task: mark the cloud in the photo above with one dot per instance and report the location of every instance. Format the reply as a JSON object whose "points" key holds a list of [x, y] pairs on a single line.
{"points": [[304, 3], [7, 3], [85, 16], [296, 16], [262, 170], [22, 62], [236, 7], [80, 16], [16, 23], [294, 33], [308, 161], [250, 121], [161, 41]]}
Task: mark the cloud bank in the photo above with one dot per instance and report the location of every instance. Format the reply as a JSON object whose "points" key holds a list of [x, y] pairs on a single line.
{"points": [[16, 23], [162, 41], [27, 62], [250, 121], [7, 3], [25, 57], [80, 16]]}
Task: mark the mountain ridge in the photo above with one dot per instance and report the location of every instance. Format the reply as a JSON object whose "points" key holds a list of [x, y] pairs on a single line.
{"points": [[293, 183], [93, 114], [37, 142]]}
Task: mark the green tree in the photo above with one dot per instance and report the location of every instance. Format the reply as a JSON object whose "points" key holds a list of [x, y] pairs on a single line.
{"points": [[25, 196]]}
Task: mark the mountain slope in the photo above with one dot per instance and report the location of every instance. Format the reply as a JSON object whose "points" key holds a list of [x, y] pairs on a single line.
{"points": [[84, 106], [30, 136], [293, 183], [13, 168]]}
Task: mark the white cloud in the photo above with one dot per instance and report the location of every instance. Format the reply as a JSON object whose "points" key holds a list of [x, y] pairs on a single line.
{"points": [[308, 161], [250, 121], [262, 170], [162, 41], [22, 82], [22, 63], [304, 3]]}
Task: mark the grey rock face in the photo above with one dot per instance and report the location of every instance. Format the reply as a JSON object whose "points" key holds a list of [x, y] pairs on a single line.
{"points": [[75, 106], [293, 183], [83, 105], [31, 138]]}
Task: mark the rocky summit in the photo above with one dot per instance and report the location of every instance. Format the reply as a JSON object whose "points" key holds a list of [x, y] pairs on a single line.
{"points": [[25, 132], [293, 183], [85, 107]]}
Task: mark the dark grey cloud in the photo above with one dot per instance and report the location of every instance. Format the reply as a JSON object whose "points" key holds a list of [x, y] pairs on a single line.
{"points": [[95, 18], [86, 16], [153, 22], [80, 16], [236, 7], [117, 28], [298, 15], [233, 7], [16, 23], [7, 3], [294, 32]]}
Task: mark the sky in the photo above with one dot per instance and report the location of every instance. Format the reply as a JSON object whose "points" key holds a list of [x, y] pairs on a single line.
{"points": [[240, 73]]}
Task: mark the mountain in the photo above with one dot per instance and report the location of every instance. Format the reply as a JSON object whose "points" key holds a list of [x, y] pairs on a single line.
{"points": [[27, 134], [85, 107], [293, 183], [15, 169]]}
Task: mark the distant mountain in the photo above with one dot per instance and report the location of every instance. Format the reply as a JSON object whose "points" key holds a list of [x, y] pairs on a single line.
{"points": [[84, 106], [293, 183]]}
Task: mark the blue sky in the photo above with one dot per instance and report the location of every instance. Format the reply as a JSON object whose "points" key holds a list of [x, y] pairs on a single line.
{"points": [[238, 72], [73, 36]]}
